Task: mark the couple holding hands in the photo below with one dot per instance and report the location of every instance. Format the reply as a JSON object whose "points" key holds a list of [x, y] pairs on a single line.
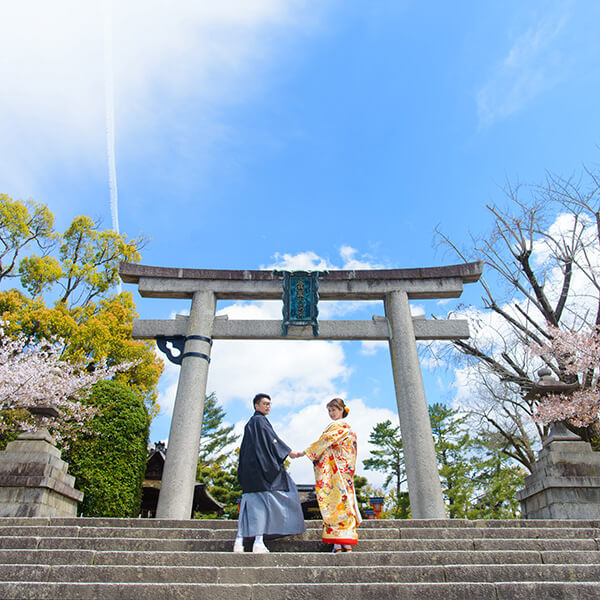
{"points": [[270, 504]]}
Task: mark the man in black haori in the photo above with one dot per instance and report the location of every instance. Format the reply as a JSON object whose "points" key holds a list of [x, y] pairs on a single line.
{"points": [[270, 504]]}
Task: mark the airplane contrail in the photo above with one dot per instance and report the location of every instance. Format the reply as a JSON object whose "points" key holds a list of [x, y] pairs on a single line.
{"points": [[109, 103]]}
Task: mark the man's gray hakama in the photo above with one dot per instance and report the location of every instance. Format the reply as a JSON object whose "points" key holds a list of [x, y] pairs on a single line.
{"points": [[272, 513]]}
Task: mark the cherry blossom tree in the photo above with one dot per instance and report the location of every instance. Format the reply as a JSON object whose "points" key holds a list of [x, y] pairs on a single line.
{"points": [[32, 374], [577, 354], [542, 274]]}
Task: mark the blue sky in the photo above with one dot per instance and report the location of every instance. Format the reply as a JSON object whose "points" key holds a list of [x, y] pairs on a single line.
{"points": [[258, 133]]}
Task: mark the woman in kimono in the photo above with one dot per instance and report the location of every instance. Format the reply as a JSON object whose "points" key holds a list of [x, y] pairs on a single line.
{"points": [[334, 459]]}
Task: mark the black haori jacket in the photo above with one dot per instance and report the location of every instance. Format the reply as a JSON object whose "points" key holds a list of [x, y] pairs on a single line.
{"points": [[262, 453]]}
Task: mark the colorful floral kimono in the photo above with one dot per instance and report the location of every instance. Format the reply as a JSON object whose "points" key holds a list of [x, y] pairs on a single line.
{"points": [[334, 460]]}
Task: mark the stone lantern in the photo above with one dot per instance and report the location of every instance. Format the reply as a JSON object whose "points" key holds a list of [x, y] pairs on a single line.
{"points": [[33, 477], [565, 482]]}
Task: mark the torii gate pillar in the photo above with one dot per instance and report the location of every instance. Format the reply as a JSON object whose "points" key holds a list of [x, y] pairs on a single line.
{"points": [[419, 451], [179, 474]]}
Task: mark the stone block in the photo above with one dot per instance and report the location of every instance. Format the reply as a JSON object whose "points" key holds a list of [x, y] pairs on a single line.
{"points": [[34, 481], [565, 482]]}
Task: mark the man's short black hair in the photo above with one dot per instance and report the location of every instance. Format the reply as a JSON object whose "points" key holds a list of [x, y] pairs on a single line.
{"points": [[259, 397]]}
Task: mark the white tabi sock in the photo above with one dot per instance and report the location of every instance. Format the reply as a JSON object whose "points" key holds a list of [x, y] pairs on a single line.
{"points": [[258, 539]]}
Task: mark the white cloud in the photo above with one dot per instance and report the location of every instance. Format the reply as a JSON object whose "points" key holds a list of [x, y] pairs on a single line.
{"points": [[52, 71], [264, 309], [368, 348], [532, 66], [429, 360], [351, 259], [292, 372], [348, 255], [331, 309], [306, 425], [303, 261], [311, 261], [168, 388]]}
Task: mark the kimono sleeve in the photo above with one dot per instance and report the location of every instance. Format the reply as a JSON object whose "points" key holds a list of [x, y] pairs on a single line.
{"points": [[332, 435]]}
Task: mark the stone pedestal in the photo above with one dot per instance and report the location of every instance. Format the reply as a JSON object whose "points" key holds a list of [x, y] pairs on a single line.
{"points": [[34, 480], [565, 483]]}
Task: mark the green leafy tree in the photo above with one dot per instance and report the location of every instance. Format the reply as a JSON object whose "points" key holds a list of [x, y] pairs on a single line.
{"points": [[396, 505], [77, 270], [89, 257], [23, 224], [38, 273], [498, 479], [109, 461], [478, 480], [82, 263]]}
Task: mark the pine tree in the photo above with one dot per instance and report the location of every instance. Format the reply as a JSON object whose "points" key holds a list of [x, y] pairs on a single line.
{"points": [[456, 460], [388, 458], [216, 468], [216, 436]]}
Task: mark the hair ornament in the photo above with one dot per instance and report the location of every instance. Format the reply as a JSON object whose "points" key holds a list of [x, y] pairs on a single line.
{"points": [[346, 411]]}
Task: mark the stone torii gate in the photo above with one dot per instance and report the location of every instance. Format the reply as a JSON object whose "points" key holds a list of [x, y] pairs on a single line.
{"points": [[196, 333]]}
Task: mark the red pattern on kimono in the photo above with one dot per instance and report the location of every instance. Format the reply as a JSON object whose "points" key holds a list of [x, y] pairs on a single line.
{"points": [[334, 461]]}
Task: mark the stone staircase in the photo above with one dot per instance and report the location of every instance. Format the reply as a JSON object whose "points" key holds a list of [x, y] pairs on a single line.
{"points": [[126, 559]]}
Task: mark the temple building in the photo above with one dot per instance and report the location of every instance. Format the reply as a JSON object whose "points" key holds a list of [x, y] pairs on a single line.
{"points": [[203, 501]]}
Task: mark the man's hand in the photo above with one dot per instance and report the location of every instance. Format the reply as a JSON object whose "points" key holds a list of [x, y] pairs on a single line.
{"points": [[296, 454]]}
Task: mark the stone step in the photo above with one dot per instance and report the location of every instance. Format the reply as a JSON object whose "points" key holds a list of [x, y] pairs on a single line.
{"points": [[292, 559], [297, 575], [311, 534], [232, 524], [314, 591], [498, 532], [297, 545], [441, 559], [167, 534], [183, 533]]}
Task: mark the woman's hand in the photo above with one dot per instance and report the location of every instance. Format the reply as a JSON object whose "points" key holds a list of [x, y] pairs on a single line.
{"points": [[296, 454]]}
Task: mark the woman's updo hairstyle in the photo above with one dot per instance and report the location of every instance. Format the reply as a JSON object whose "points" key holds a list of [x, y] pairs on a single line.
{"points": [[339, 403]]}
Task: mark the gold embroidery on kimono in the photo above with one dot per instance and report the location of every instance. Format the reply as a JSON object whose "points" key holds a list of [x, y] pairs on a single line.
{"points": [[334, 461]]}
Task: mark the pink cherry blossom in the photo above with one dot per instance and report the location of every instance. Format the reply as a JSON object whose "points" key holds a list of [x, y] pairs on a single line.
{"points": [[33, 373], [576, 353]]}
